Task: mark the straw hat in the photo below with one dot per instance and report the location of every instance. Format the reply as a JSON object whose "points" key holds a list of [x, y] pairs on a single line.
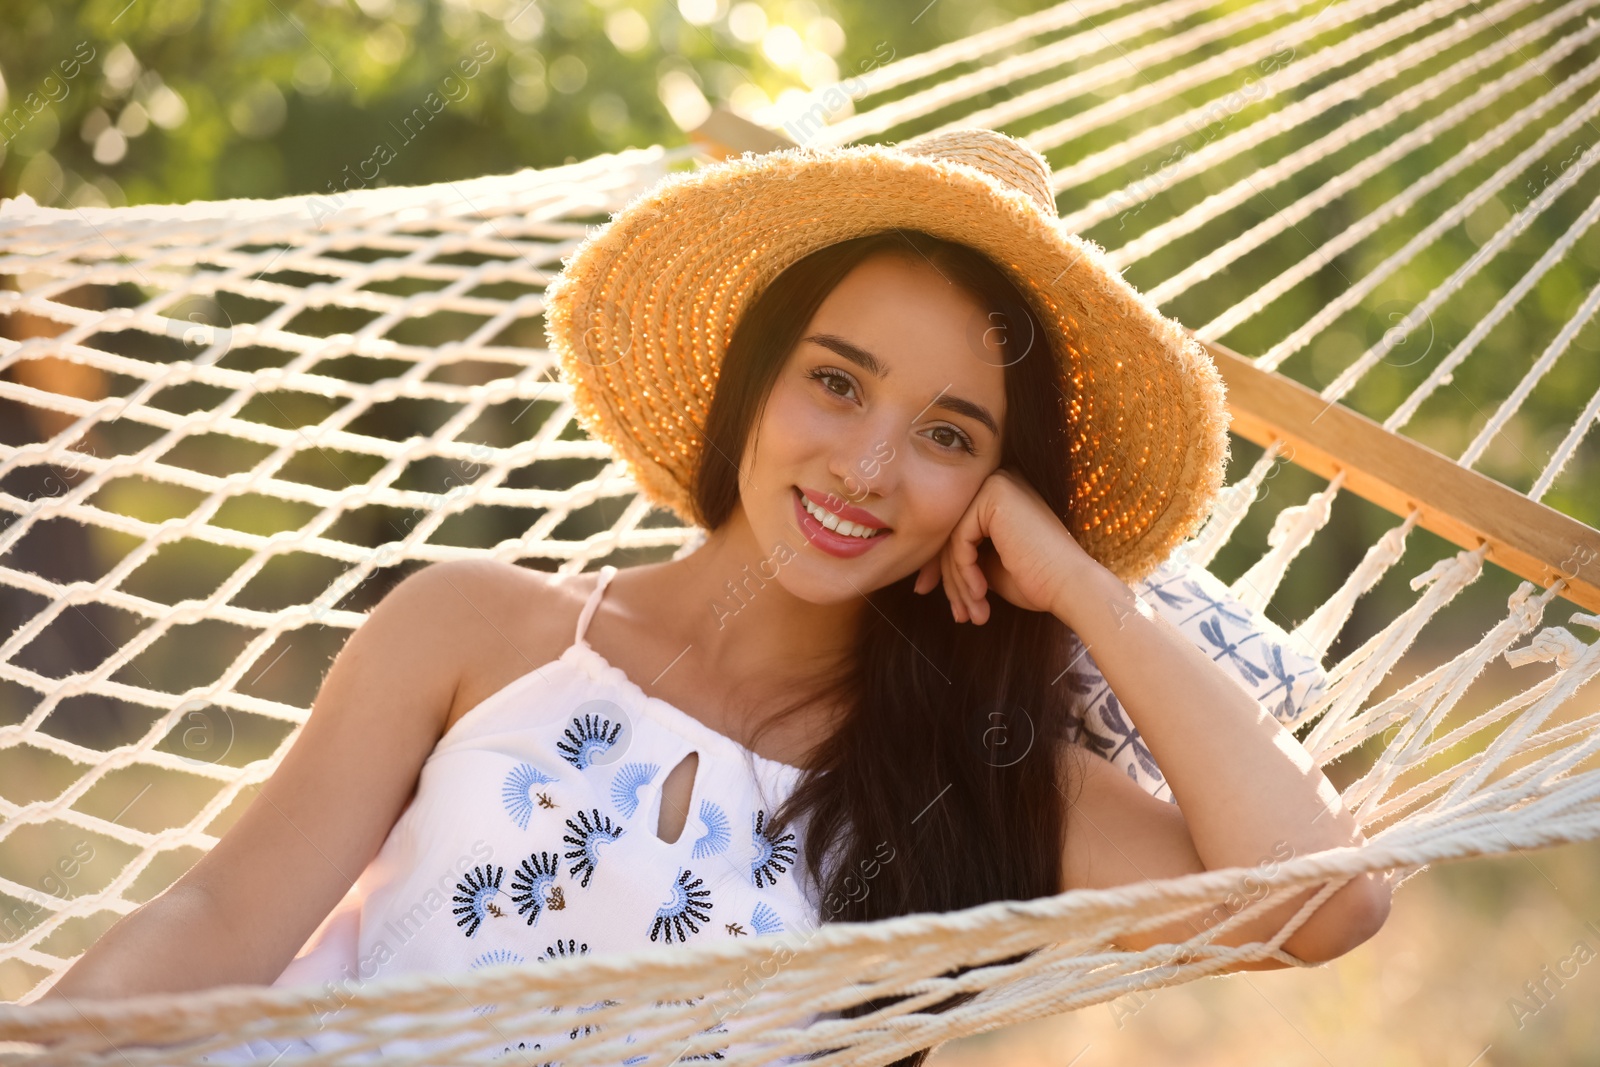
{"points": [[643, 310]]}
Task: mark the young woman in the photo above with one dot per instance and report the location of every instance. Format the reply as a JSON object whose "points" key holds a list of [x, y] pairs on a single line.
{"points": [[920, 462]]}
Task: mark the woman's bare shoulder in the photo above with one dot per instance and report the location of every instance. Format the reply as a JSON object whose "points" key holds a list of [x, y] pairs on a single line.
{"points": [[497, 620]]}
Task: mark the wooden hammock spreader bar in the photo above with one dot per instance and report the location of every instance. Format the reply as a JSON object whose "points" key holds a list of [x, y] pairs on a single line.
{"points": [[1527, 538], [726, 133]]}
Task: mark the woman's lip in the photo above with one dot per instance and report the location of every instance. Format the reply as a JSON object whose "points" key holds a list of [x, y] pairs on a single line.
{"points": [[841, 545], [844, 511]]}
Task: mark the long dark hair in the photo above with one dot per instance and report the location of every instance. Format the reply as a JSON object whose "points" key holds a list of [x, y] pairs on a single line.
{"points": [[939, 790]]}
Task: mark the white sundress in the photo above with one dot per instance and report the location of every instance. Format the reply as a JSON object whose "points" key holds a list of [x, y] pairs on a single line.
{"points": [[532, 835]]}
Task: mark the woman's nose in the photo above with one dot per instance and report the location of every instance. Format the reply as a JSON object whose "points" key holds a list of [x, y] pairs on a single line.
{"points": [[863, 464]]}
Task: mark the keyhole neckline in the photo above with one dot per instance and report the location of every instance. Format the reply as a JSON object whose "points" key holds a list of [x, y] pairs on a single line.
{"points": [[669, 714], [688, 808]]}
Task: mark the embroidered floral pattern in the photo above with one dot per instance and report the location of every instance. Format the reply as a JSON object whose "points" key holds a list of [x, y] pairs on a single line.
{"points": [[625, 786], [689, 904], [763, 920], [564, 949], [517, 792], [522, 1046], [534, 882], [586, 838], [475, 895], [716, 838], [493, 958], [773, 855], [587, 738]]}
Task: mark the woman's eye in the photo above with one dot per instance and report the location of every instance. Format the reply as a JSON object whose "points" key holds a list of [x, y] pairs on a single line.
{"points": [[960, 442], [828, 376]]}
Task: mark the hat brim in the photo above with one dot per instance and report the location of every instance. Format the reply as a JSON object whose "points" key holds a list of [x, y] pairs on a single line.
{"points": [[643, 311]]}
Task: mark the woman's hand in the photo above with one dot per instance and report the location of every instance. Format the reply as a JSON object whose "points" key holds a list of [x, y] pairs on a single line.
{"points": [[1029, 560]]}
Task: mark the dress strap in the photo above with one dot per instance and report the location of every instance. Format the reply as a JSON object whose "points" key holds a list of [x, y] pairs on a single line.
{"points": [[607, 572]]}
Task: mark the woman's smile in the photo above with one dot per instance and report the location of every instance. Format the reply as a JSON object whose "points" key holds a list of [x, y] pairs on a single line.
{"points": [[843, 538]]}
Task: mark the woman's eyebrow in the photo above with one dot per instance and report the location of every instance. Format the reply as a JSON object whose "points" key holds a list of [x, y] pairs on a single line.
{"points": [[854, 353], [872, 365]]}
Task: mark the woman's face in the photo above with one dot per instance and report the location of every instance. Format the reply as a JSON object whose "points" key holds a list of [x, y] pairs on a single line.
{"points": [[890, 412]]}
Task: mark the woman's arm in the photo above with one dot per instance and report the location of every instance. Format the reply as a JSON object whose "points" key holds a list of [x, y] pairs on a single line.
{"points": [[1248, 794], [247, 906]]}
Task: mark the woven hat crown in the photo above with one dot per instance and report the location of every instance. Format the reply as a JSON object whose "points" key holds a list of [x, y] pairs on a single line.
{"points": [[1003, 158]]}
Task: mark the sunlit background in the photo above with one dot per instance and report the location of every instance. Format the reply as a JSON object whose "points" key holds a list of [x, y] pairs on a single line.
{"points": [[186, 100], [107, 104]]}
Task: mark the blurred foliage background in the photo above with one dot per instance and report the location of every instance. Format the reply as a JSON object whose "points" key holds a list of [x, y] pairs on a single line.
{"points": [[119, 102], [187, 100]]}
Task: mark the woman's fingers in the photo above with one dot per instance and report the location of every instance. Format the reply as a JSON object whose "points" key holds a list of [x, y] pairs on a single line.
{"points": [[948, 586], [963, 572], [952, 587], [969, 537]]}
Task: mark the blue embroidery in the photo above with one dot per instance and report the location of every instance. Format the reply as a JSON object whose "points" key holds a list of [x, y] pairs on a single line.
{"points": [[474, 893], [592, 737], [1212, 631], [517, 793], [497, 956], [589, 837], [1225, 609], [764, 920], [690, 902], [1285, 679], [625, 786], [1286, 709], [493, 958], [533, 881], [771, 855], [716, 838]]}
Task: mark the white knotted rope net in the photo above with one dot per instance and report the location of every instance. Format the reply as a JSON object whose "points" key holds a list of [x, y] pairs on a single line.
{"points": [[223, 420]]}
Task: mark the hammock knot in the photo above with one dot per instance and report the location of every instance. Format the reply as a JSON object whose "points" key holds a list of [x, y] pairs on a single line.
{"points": [[1518, 601], [187, 614], [1551, 643], [1289, 519], [1526, 608], [1459, 570], [1393, 542]]}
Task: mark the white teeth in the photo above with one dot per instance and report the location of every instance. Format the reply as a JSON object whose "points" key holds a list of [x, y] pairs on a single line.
{"points": [[836, 524]]}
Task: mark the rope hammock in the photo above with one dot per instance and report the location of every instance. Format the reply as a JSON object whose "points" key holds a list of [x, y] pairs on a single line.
{"points": [[212, 393]]}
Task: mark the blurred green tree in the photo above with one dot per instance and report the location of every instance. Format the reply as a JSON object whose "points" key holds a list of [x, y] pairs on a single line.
{"points": [[115, 102]]}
